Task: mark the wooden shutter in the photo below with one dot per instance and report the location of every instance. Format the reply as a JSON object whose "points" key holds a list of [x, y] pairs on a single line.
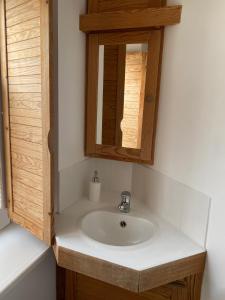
{"points": [[25, 67]]}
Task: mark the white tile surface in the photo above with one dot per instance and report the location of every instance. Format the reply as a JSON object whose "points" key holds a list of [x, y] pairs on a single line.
{"points": [[115, 176], [167, 245], [19, 251], [73, 183], [185, 208]]}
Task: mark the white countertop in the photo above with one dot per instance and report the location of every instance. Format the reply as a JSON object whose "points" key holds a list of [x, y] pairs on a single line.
{"points": [[167, 245], [19, 252]]}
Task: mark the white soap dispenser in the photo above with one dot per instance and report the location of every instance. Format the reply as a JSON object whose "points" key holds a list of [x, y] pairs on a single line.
{"points": [[95, 188]]}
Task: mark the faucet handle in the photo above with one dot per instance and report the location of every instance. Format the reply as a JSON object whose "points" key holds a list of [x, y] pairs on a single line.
{"points": [[126, 196]]}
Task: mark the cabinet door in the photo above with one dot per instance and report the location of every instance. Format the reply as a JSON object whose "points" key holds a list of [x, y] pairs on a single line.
{"points": [[74, 286], [26, 92]]}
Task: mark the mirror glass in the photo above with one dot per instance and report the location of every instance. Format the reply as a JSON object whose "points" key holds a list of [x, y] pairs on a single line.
{"points": [[121, 94]]}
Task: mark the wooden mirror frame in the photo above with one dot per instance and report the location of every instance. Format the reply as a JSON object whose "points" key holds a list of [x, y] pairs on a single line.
{"points": [[154, 39]]}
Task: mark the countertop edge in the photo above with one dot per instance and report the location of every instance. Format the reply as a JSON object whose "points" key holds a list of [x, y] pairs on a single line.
{"points": [[124, 277]]}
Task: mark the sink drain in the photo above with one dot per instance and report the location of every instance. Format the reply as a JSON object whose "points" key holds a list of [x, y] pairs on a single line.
{"points": [[123, 224]]}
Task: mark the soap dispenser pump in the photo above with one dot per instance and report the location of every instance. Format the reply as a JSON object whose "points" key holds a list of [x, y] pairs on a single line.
{"points": [[95, 188]]}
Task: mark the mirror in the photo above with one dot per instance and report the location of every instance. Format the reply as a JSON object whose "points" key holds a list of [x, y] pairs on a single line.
{"points": [[121, 93], [123, 76]]}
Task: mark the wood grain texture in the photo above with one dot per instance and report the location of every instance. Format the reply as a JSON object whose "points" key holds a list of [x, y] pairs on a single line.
{"points": [[33, 69], [5, 105], [27, 163], [172, 271], [133, 19], [25, 26], [143, 155], [152, 87], [27, 111], [113, 86], [135, 76], [129, 279], [27, 178], [12, 3], [151, 97], [34, 52], [27, 44], [66, 284], [71, 285], [24, 35], [91, 93], [22, 13], [98, 269], [24, 62], [115, 5], [47, 117]]}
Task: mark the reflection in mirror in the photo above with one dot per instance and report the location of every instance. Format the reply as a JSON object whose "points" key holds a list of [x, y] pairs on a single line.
{"points": [[121, 93]]}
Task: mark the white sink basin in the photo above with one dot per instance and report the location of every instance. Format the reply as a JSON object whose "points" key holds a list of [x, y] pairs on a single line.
{"points": [[116, 229]]}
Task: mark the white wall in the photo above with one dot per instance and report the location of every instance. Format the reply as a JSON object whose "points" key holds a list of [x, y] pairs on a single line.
{"points": [[71, 68], [74, 170], [38, 284], [190, 144], [173, 201]]}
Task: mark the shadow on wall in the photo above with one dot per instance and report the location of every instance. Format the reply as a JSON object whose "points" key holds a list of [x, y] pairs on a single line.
{"points": [[38, 284]]}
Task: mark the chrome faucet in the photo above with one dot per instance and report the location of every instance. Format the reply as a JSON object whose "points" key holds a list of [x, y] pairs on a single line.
{"points": [[124, 206]]}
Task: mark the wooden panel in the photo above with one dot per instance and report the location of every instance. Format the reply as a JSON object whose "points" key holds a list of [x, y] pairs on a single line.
{"points": [[26, 121], [29, 105], [24, 35], [136, 19], [5, 106], [24, 147], [113, 5], [26, 133], [35, 196], [32, 97], [24, 88], [35, 228], [27, 6], [25, 71], [113, 86], [22, 13], [133, 106], [28, 178], [24, 206], [29, 25], [92, 86], [27, 111], [33, 79], [66, 281], [27, 44], [71, 285], [172, 271], [151, 94], [12, 3], [145, 154], [25, 62], [98, 269], [129, 279], [27, 163], [24, 54], [88, 288]]}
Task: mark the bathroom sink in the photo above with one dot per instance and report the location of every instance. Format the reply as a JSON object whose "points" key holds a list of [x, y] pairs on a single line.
{"points": [[116, 229]]}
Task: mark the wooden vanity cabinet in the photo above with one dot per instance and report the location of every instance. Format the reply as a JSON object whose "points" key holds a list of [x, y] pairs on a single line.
{"points": [[74, 286]]}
